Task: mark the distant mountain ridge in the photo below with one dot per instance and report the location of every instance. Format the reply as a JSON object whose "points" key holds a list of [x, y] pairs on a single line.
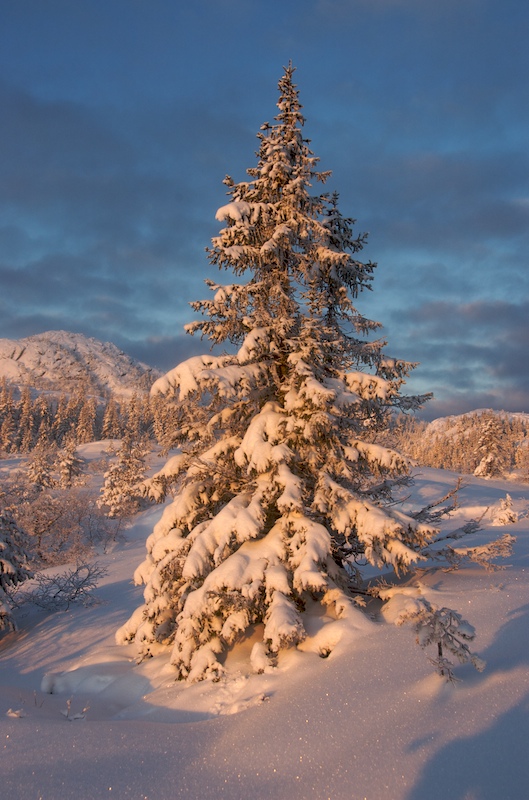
{"points": [[453, 424], [63, 362]]}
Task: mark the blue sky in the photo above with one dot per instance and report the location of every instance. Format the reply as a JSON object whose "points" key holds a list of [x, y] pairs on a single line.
{"points": [[120, 118]]}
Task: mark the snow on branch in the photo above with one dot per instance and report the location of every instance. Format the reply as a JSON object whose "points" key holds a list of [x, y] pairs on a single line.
{"points": [[236, 212], [261, 446], [367, 386], [184, 379], [442, 627], [483, 555]]}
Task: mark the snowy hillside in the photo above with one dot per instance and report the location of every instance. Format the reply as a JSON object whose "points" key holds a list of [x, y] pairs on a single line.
{"points": [[80, 719], [59, 361], [484, 439], [451, 426]]}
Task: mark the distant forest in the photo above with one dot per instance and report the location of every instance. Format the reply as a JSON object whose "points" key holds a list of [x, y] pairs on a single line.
{"points": [[485, 443], [30, 420]]}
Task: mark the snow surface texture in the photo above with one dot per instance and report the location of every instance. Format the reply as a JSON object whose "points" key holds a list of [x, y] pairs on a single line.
{"points": [[59, 361], [80, 719]]}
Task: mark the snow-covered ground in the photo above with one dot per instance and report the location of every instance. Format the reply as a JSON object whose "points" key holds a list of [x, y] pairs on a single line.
{"points": [[80, 719]]}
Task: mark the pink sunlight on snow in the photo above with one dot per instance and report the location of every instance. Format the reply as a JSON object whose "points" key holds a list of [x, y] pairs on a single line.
{"points": [[79, 718]]}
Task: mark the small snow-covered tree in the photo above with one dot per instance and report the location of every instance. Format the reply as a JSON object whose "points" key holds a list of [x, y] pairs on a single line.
{"points": [[112, 425], [14, 565], [442, 627], [86, 426], [163, 422], [43, 424], [8, 432], [62, 425], [73, 410], [522, 458], [61, 524], [69, 465], [6, 398], [279, 489], [491, 448], [122, 489], [25, 422], [505, 514], [41, 466]]}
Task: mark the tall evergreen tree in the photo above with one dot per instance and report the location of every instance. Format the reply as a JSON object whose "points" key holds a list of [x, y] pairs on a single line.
{"points": [[25, 421], [87, 425], [8, 432], [61, 423], [41, 466], [121, 491], [279, 489], [112, 427], [134, 418], [69, 466], [73, 409], [7, 419], [164, 423], [43, 421], [6, 399], [491, 448], [522, 458]]}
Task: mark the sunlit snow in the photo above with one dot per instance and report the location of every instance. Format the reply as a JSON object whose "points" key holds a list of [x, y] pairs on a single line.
{"points": [[352, 712]]}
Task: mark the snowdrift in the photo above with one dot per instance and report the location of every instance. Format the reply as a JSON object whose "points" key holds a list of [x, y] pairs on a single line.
{"points": [[353, 712]]}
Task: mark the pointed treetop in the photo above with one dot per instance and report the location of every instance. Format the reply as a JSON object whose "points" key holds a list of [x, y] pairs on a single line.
{"points": [[288, 103]]}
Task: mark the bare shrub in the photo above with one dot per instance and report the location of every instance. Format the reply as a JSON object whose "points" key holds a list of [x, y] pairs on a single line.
{"points": [[63, 525], [59, 591]]}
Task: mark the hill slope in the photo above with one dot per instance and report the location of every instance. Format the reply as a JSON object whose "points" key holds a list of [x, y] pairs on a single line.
{"points": [[451, 426], [59, 361]]}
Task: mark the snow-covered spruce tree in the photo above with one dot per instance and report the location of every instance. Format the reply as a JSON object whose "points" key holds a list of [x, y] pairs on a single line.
{"points": [[491, 448], [43, 424], [278, 488], [122, 488], [8, 433], [25, 422], [87, 425], [14, 564], [505, 515], [41, 466], [62, 425], [69, 466], [112, 426]]}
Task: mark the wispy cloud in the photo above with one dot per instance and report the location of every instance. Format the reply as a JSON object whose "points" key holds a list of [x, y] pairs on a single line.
{"points": [[119, 122]]}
